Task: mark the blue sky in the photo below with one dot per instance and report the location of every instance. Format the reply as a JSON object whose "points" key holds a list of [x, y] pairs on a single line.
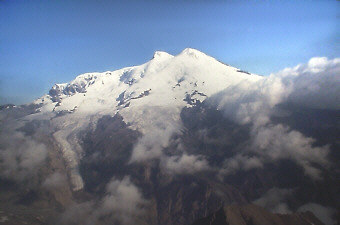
{"points": [[46, 42]]}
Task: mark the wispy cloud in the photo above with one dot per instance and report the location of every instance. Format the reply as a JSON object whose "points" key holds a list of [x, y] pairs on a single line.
{"points": [[274, 200], [185, 164]]}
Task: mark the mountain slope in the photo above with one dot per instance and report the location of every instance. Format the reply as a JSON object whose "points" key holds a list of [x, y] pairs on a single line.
{"points": [[167, 83]]}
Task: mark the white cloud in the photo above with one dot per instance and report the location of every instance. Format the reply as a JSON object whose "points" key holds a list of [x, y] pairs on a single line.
{"points": [[276, 142], [151, 145], [250, 102], [315, 84], [185, 164], [123, 204], [124, 201]]}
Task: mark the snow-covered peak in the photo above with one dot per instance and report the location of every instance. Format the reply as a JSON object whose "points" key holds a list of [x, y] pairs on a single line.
{"points": [[162, 55], [193, 52], [165, 80]]}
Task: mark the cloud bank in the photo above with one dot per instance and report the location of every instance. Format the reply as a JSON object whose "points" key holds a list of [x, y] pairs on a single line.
{"points": [[312, 85], [315, 84]]}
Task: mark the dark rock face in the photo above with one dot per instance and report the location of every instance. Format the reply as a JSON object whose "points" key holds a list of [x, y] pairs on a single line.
{"points": [[107, 152], [187, 198], [57, 90], [192, 101], [255, 215], [242, 71]]}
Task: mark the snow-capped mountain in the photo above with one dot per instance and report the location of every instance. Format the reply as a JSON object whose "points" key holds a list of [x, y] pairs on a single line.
{"points": [[166, 82], [176, 140]]}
